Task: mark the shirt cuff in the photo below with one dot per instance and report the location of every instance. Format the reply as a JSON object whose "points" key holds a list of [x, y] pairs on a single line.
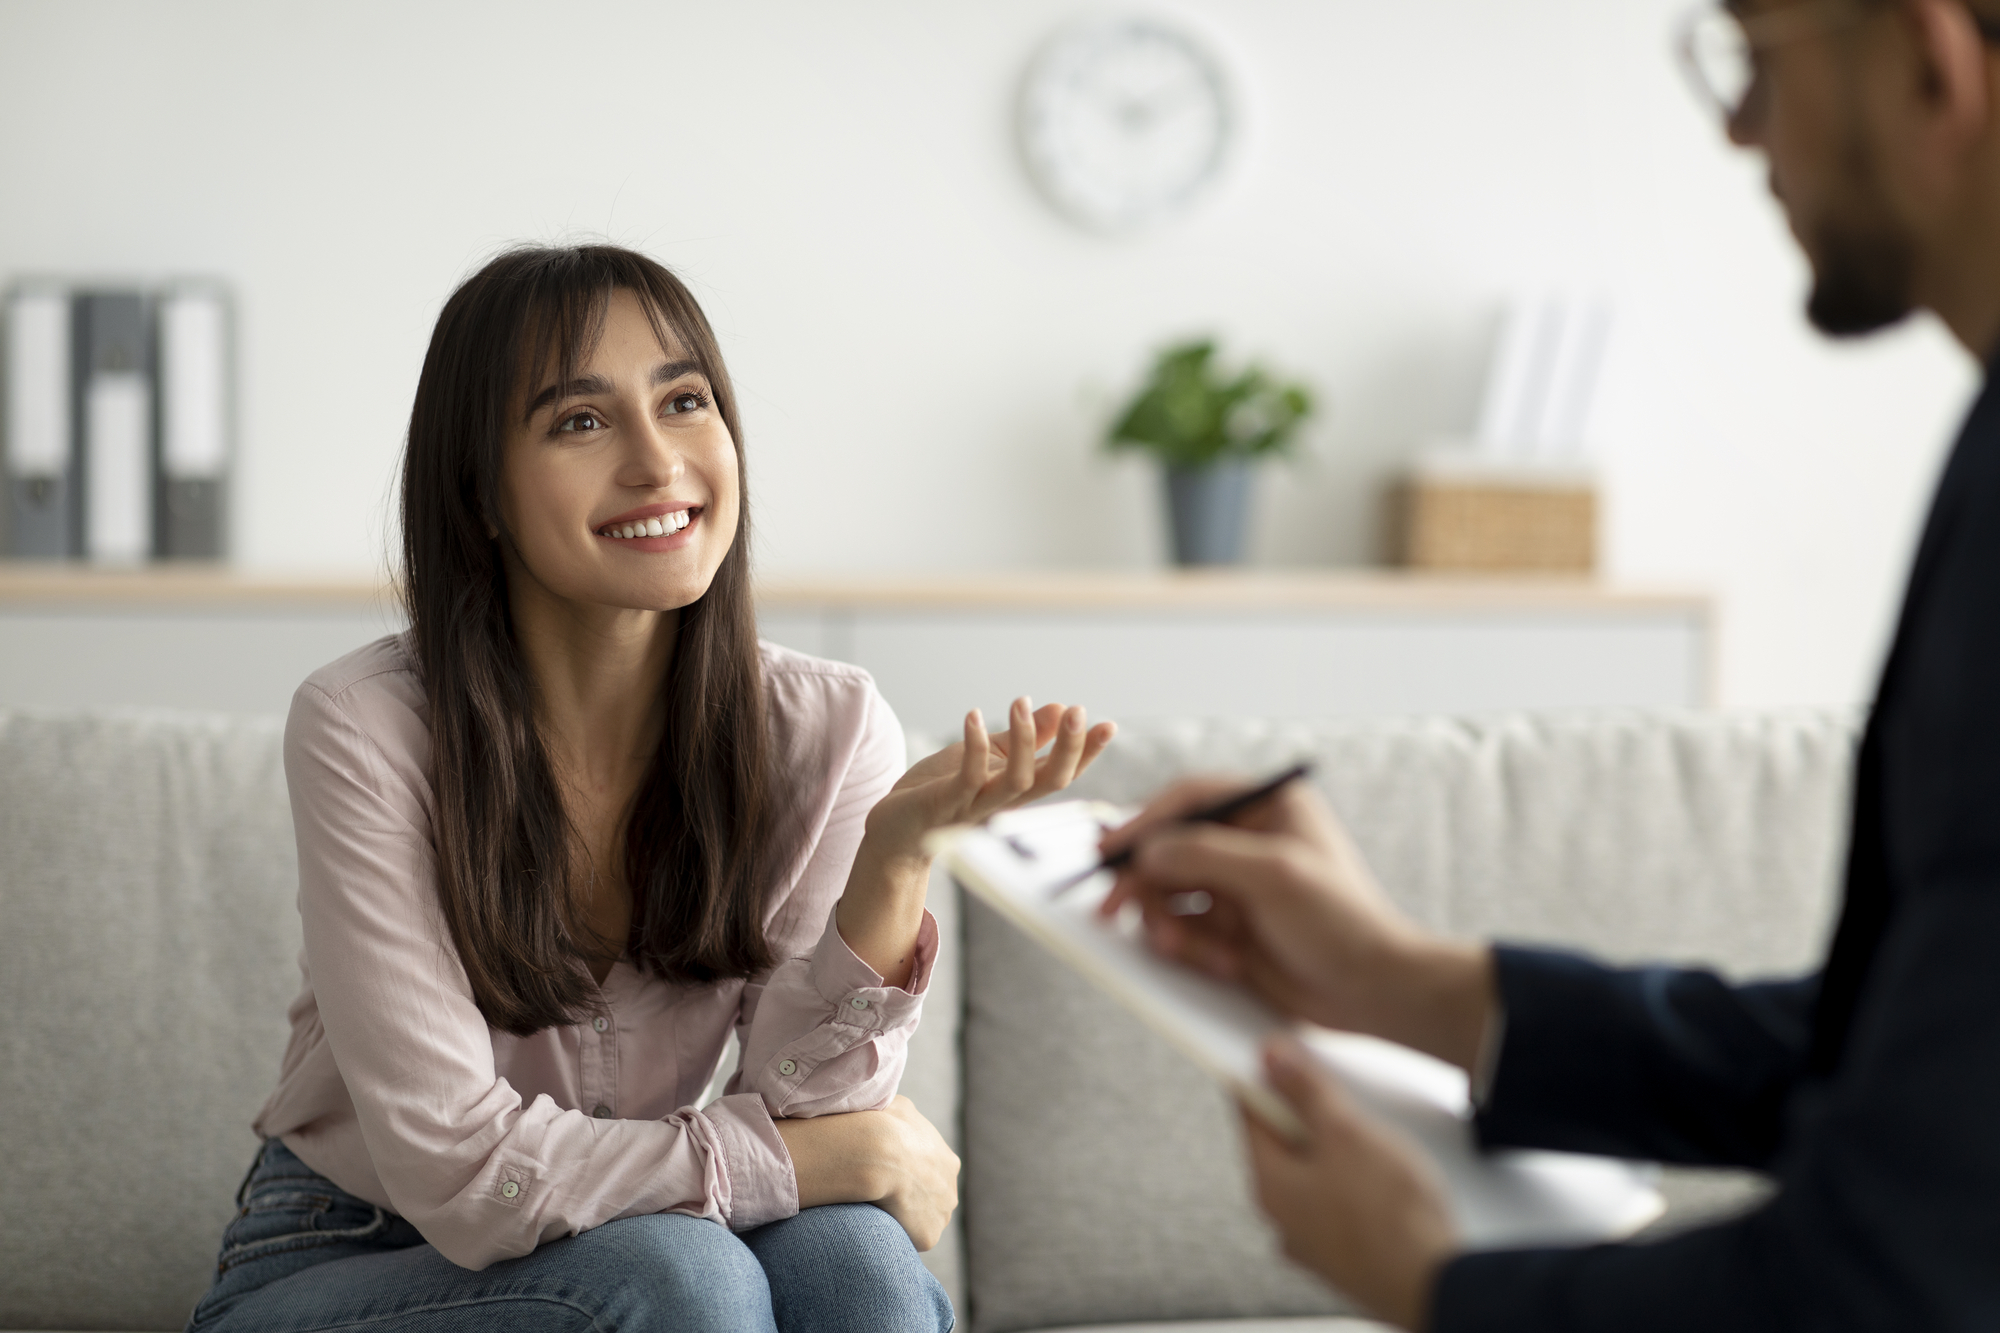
{"points": [[763, 1186], [851, 986], [1486, 1064]]}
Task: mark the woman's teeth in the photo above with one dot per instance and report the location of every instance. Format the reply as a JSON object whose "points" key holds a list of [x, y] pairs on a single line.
{"points": [[661, 525]]}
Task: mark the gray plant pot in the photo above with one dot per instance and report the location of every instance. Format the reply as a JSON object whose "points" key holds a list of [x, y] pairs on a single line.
{"points": [[1208, 507]]}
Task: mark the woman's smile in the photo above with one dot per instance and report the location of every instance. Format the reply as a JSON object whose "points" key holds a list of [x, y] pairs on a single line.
{"points": [[660, 527]]}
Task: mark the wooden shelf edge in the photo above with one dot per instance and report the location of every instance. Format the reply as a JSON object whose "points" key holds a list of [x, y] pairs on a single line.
{"points": [[24, 584], [1252, 590]]}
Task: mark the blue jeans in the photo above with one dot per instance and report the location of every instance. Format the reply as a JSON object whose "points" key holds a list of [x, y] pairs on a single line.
{"points": [[303, 1254]]}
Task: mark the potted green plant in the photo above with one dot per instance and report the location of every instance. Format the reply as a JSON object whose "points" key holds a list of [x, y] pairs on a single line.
{"points": [[1205, 426]]}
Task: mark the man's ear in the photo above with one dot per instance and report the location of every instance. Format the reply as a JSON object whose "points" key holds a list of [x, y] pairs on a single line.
{"points": [[1952, 56]]}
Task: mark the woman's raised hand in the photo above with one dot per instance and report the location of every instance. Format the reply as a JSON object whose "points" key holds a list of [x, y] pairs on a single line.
{"points": [[983, 774]]}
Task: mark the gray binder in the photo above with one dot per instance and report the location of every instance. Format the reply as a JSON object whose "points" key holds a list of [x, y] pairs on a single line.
{"points": [[112, 408], [192, 339], [38, 469]]}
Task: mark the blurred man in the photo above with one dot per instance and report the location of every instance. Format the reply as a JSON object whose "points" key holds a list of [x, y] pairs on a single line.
{"points": [[1869, 1091]]}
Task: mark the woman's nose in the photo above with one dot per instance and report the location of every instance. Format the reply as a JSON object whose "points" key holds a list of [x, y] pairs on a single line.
{"points": [[654, 460]]}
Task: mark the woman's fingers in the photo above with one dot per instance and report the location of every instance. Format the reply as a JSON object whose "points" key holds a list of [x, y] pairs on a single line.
{"points": [[1022, 742], [1011, 768], [1094, 742], [1055, 772], [972, 766], [1009, 771]]}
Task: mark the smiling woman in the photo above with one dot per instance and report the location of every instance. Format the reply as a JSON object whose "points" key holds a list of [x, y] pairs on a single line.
{"points": [[554, 404], [562, 838]]}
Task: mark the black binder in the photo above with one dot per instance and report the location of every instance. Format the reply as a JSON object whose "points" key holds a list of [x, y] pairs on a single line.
{"points": [[112, 458], [192, 341]]}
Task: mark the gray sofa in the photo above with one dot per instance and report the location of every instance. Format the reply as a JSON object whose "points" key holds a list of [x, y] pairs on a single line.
{"points": [[147, 943]]}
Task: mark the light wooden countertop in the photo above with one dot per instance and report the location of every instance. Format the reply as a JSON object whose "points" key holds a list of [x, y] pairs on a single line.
{"points": [[26, 584]]}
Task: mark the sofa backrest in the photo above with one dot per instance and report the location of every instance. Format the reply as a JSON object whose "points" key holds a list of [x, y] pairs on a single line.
{"points": [[148, 948], [1104, 1179]]}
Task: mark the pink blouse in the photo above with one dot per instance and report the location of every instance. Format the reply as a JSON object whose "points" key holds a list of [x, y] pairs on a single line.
{"points": [[394, 1087]]}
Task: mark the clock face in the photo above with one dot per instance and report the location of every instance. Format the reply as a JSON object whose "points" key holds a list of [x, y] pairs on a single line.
{"points": [[1124, 123]]}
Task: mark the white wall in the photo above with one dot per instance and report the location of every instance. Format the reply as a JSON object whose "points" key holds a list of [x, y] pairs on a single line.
{"points": [[925, 351]]}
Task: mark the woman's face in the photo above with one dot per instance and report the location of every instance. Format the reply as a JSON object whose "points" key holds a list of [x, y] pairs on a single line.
{"points": [[620, 488]]}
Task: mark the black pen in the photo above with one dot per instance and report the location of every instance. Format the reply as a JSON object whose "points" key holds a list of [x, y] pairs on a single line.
{"points": [[1213, 814]]}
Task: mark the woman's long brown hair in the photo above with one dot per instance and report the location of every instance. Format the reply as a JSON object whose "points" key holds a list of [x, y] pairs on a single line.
{"points": [[698, 846]]}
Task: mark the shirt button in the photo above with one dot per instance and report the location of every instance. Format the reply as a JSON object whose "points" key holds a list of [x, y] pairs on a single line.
{"points": [[858, 1002], [788, 1067], [602, 1112], [509, 1190], [600, 1023]]}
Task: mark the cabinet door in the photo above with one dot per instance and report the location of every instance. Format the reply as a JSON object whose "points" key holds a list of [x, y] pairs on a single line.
{"points": [[1137, 666]]}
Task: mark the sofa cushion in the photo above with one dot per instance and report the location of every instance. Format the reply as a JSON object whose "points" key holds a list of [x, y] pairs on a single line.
{"points": [[148, 948], [1235, 1325], [1104, 1172]]}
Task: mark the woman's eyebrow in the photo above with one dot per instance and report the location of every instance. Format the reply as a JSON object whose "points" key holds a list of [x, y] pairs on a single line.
{"points": [[665, 372], [581, 385]]}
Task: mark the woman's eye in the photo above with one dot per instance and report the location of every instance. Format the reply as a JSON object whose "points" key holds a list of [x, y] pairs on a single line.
{"points": [[686, 402], [581, 421]]}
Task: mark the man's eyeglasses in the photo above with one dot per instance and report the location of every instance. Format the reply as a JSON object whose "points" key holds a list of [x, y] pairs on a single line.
{"points": [[1722, 51]]}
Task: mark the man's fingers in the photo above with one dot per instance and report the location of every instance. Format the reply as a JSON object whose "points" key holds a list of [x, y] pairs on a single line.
{"points": [[1116, 896], [1211, 856], [1294, 1075], [1169, 807], [1270, 1152], [1195, 948], [1215, 857]]}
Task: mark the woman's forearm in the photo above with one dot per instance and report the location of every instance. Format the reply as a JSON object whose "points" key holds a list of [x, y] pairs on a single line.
{"points": [[892, 1158], [882, 911], [838, 1158]]}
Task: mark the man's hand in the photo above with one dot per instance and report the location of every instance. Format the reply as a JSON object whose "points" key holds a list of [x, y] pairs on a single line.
{"points": [[1280, 902], [1353, 1203]]}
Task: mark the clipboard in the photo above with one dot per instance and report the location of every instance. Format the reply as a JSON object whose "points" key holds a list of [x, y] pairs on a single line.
{"points": [[1497, 1200]]}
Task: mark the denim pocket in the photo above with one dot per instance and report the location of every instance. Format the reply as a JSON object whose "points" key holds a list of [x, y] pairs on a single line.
{"points": [[296, 1212]]}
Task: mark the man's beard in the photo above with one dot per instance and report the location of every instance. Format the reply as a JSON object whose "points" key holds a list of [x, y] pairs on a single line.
{"points": [[1863, 262], [1861, 279]]}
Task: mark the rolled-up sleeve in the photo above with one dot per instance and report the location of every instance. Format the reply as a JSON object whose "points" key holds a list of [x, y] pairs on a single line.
{"points": [[482, 1173], [822, 1034], [829, 1036]]}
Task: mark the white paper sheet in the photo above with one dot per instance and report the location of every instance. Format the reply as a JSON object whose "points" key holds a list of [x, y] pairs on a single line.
{"points": [[37, 384], [118, 490], [193, 386], [1497, 1200]]}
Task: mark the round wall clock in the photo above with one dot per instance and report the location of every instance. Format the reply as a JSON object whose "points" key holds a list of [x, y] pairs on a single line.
{"points": [[1125, 122]]}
